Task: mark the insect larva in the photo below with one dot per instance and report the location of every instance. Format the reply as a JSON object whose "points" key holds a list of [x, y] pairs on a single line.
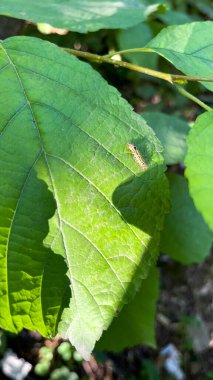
{"points": [[136, 155]]}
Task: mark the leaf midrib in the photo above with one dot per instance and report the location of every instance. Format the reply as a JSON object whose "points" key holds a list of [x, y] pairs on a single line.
{"points": [[182, 53]]}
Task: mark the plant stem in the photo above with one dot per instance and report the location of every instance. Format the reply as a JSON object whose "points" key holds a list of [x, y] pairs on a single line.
{"points": [[129, 51], [187, 94], [171, 78], [100, 59]]}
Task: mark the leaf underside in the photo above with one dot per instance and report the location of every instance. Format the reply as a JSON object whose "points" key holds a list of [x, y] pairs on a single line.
{"points": [[80, 16]]}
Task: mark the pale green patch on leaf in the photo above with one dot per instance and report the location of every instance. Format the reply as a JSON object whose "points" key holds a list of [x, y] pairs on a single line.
{"points": [[171, 132], [186, 237], [80, 16], [136, 322], [188, 47], [199, 165], [63, 140]]}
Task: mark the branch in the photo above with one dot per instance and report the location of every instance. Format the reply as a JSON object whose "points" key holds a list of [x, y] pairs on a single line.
{"points": [[171, 78], [193, 98]]}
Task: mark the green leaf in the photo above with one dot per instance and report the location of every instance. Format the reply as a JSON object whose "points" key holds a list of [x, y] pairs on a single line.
{"points": [[171, 132], [149, 370], [186, 237], [136, 322], [137, 37], [80, 16], [199, 165], [204, 6], [188, 47], [64, 133], [175, 18], [33, 282], [63, 373]]}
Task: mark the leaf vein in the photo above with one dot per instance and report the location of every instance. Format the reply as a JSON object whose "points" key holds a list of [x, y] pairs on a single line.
{"points": [[12, 118], [98, 190], [86, 133], [78, 94], [96, 248], [92, 296], [183, 53]]}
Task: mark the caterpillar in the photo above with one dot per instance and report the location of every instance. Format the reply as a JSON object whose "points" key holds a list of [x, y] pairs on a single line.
{"points": [[136, 155]]}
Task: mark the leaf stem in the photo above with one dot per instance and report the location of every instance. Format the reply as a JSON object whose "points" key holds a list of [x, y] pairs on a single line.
{"points": [[100, 59], [171, 78], [129, 51], [187, 94]]}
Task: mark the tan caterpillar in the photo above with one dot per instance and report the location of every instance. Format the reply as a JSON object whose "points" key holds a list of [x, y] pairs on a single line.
{"points": [[136, 155]]}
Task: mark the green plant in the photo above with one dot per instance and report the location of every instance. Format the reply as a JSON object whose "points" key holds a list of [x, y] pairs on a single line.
{"points": [[65, 350], [209, 376], [80, 221], [63, 373], [149, 371], [42, 368]]}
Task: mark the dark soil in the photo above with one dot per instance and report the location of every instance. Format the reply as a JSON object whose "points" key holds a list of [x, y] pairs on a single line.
{"points": [[10, 27]]}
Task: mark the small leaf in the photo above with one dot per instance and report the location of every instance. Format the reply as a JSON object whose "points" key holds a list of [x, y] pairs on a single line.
{"points": [[171, 132], [136, 322], [199, 165], [80, 16], [186, 237], [188, 47]]}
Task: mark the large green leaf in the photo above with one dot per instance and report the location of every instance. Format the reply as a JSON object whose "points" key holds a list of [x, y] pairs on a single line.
{"points": [[64, 127], [136, 322], [189, 47], [199, 165], [172, 133], [186, 237], [81, 16]]}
